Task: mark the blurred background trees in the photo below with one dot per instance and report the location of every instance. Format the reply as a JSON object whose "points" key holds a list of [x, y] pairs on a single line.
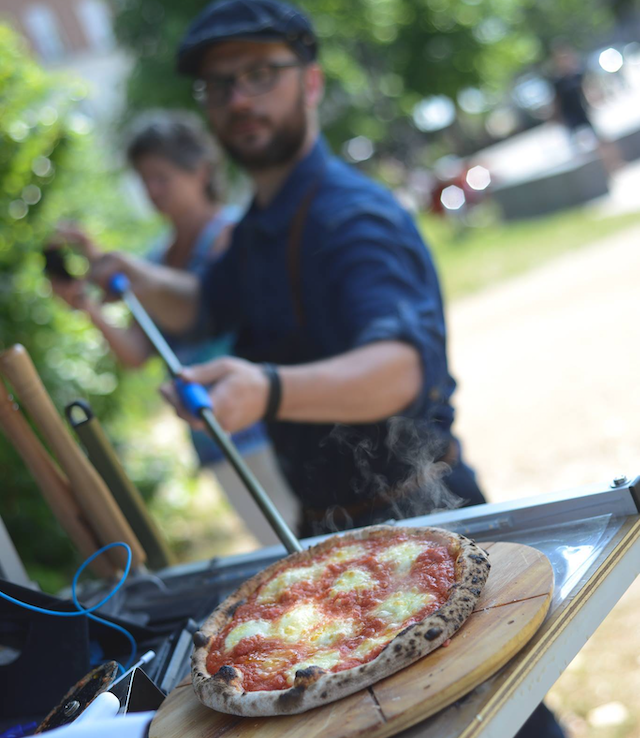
{"points": [[51, 168], [383, 58]]}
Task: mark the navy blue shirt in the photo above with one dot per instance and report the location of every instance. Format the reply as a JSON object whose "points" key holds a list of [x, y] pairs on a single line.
{"points": [[364, 275]]}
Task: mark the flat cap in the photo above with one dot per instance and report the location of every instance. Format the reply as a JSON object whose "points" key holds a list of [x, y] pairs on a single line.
{"points": [[255, 20]]}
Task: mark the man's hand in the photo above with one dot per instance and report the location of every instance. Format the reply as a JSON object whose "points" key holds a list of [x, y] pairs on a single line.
{"points": [[239, 392], [104, 268], [365, 385], [170, 296]]}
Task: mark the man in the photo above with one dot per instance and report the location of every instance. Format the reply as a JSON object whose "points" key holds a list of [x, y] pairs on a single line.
{"points": [[328, 286], [327, 280]]}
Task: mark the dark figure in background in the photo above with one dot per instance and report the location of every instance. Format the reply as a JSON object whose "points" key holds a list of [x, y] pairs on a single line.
{"points": [[572, 107], [571, 104]]}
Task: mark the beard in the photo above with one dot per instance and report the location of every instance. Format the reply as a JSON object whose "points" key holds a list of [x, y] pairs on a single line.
{"points": [[283, 146]]}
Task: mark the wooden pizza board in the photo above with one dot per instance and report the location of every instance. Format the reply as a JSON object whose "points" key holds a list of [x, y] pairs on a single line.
{"points": [[511, 608]]}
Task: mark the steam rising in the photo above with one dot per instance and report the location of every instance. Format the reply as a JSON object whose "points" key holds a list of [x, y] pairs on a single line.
{"points": [[406, 470]]}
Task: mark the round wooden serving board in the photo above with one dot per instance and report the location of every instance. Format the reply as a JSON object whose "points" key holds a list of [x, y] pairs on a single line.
{"points": [[511, 608]]}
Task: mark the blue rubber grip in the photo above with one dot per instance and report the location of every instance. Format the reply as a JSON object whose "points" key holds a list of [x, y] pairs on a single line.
{"points": [[118, 284], [193, 396]]}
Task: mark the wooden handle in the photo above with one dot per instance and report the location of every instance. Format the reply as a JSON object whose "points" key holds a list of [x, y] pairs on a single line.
{"points": [[90, 491], [53, 484]]}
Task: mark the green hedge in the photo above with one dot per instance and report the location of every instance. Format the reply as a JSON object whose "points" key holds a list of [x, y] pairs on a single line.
{"points": [[52, 167]]}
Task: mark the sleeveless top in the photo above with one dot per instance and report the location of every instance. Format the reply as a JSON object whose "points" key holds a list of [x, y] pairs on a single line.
{"points": [[193, 348]]}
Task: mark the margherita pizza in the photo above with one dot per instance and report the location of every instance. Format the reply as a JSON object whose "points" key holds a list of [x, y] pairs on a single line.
{"points": [[331, 620]]}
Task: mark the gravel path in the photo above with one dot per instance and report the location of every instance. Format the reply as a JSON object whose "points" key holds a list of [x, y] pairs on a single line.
{"points": [[549, 372], [549, 398]]}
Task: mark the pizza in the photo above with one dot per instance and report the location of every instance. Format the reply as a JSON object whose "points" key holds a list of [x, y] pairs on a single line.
{"points": [[328, 621]]}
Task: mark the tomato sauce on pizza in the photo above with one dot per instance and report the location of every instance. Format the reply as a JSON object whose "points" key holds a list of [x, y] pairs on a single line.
{"points": [[337, 612]]}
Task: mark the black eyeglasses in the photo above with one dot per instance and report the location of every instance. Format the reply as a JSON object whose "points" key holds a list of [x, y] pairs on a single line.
{"points": [[216, 91]]}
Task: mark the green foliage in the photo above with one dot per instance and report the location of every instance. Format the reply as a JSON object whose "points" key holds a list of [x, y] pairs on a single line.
{"points": [[51, 168], [471, 259], [381, 56]]}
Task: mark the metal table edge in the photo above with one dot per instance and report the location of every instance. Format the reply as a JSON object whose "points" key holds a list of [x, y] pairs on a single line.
{"points": [[549, 634]]}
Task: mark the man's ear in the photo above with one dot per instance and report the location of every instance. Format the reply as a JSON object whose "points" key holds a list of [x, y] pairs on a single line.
{"points": [[314, 85]]}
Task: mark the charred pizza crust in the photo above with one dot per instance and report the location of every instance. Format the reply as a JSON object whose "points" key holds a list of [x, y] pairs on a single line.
{"points": [[315, 686]]}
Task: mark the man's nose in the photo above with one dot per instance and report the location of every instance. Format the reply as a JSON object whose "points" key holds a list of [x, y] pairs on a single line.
{"points": [[237, 99]]}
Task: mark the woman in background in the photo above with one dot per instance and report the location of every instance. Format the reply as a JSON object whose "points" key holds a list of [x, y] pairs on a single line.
{"points": [[180, 168]]}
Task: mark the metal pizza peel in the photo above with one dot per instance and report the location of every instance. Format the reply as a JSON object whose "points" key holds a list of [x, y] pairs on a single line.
{"points": [[196, 399]]}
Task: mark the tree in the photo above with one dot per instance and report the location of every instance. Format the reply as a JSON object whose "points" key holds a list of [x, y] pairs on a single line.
{"points": [[381, 56], [50, 168]]}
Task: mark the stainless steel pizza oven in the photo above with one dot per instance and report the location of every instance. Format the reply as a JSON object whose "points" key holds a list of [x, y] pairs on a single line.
{"points": [[591, 535]]}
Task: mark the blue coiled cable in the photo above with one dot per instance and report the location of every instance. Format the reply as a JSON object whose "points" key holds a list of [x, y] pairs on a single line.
{"points": [[89, 610]]}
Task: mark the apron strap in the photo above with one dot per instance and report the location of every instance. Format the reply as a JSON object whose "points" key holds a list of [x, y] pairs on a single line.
{"points": [[294, 251]]}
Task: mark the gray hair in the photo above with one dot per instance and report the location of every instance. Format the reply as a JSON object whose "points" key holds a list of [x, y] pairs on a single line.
{"points": [[181, 138]]}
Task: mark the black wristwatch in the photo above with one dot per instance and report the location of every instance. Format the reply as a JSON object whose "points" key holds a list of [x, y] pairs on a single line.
{"points": [[275, 392]]}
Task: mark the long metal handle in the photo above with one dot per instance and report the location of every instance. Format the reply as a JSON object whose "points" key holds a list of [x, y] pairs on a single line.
{"points": [[196, 399]]}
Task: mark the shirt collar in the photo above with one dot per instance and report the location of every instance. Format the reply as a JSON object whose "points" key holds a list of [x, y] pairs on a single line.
{"points": [[278, 214]]}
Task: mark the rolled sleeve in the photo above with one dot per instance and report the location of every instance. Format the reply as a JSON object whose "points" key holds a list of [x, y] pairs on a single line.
{"points": [[385, 288]]}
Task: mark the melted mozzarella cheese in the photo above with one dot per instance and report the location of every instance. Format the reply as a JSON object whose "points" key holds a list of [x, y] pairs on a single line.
{"points": [[275, 661], [295, 624], [400, 606], [245, 630], [279, 584], [402, 555], [346, 553], [365, 648], [324, 659], [352, 579], [328, 632]]}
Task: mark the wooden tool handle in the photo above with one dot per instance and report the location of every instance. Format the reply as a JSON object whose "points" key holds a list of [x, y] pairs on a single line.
{"points": [[88, 488], [53, 484]]}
